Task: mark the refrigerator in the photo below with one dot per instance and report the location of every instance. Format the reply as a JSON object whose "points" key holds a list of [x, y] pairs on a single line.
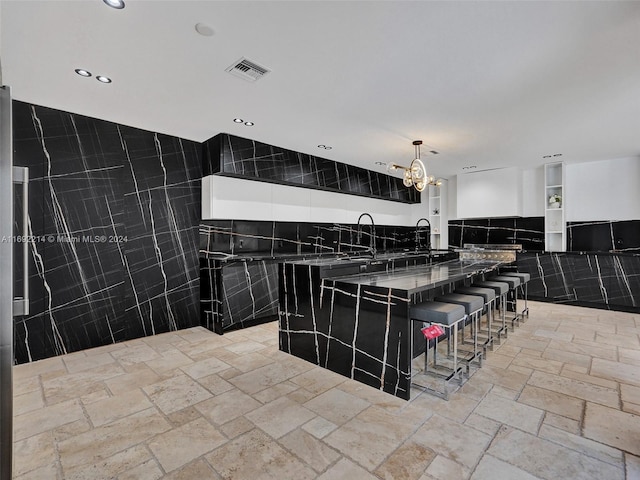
{"points": [[14, 254]]}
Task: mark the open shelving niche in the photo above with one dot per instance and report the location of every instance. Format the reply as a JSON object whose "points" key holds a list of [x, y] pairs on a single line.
{"points": [[554, 217], [437, 217]]}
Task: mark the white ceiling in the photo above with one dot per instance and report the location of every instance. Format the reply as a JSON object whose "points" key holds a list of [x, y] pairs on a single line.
{"points": [[490, 84]]}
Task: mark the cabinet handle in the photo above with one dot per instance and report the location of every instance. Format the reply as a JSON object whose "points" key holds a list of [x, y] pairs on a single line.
{"points": [[21, 304]]}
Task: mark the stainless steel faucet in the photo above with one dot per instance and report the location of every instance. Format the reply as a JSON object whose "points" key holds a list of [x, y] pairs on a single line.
{"points": [[372, 236], [428, 234]]}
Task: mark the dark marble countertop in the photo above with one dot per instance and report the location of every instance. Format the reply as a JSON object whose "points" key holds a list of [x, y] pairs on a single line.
{"points": [[595, 252], [423, 277], [323, 257]]}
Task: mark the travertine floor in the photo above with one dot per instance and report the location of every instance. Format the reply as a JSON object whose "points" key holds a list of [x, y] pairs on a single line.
{"points": [[559, 399]]}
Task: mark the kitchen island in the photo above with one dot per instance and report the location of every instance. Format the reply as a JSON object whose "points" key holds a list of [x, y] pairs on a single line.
{"points": [[343, 315]]}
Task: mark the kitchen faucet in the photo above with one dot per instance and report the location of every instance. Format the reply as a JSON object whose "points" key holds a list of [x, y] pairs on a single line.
{"points": [[428, 234], [372, 236]]}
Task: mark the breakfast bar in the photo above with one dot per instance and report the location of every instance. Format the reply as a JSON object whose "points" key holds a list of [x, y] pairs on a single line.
{"points": [[341, 315]]}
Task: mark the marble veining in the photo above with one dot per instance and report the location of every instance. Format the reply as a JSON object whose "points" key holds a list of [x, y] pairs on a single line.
{"points": [[230, 155], [114, 214], [605, 236], [600, 280], [526, 231]]}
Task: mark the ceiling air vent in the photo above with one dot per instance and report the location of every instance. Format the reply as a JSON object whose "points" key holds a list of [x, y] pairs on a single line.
{"points": [[247, 70]]}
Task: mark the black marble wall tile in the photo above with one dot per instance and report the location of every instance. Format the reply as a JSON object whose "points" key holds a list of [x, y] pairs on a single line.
{"points": [[229, 155], [114, 212], [221, 238], [599, 280], [527, 231], [604, 236]]}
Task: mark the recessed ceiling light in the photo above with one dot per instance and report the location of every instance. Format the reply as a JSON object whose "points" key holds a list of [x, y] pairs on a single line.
{"points": [[238, 120], [326, 147], [83, 73], [103, 79], [554, 155], [119, 4], [433, 152], [380, 163], [249, 124], [204, 30], [470, 167]]}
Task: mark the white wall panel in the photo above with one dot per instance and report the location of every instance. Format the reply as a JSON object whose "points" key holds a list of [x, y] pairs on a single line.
{"points": [[490, 193], [604, 190]]}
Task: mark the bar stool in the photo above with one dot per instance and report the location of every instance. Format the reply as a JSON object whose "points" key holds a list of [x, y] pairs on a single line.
{"points": [[512, 298], [501, 289], [524, 287], [447, 316], [489, 296], [473, 306]]}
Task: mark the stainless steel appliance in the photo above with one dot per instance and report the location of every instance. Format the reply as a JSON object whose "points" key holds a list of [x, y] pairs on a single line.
{"points": [[502, 252]]}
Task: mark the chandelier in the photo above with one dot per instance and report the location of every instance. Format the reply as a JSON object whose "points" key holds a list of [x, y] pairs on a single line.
{"points": [[415, 175]]}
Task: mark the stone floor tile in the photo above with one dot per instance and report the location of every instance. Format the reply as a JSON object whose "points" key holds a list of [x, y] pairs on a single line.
{"points": [[632, 464], [113, 408], [353, 439], [255, 455], [80, 364], [490, 468], [627, 341], [27, 402], [319, 427], [317, 381], [482, 424], [552, 401], [630, 393], [612, 427], [407, 462], [97, 445], [457, 408], [279, 390], [563, 423], [585, 347], [236, 427], [629, 356], [227, 406], [33, 369], [148, 470], [442, 468], [248, 346], [575, 388], [344, 469], [336, 405], [204, 368], [183, 416], [631, 408], [135, 354], [452, 440], [268, 376], [311, 450], [33, 453], [554, 335], [548, 460], [585, 377], [131, 381], [502, 377], [181, 445], [510, 412], [249, 361], [215, 384], [197, 470], [582, 445], [69, 386], [542, 364], [111, 466], [280, 416], [169, 361], [47, 418], [50, 472], [621, 372], [176, 393]]}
